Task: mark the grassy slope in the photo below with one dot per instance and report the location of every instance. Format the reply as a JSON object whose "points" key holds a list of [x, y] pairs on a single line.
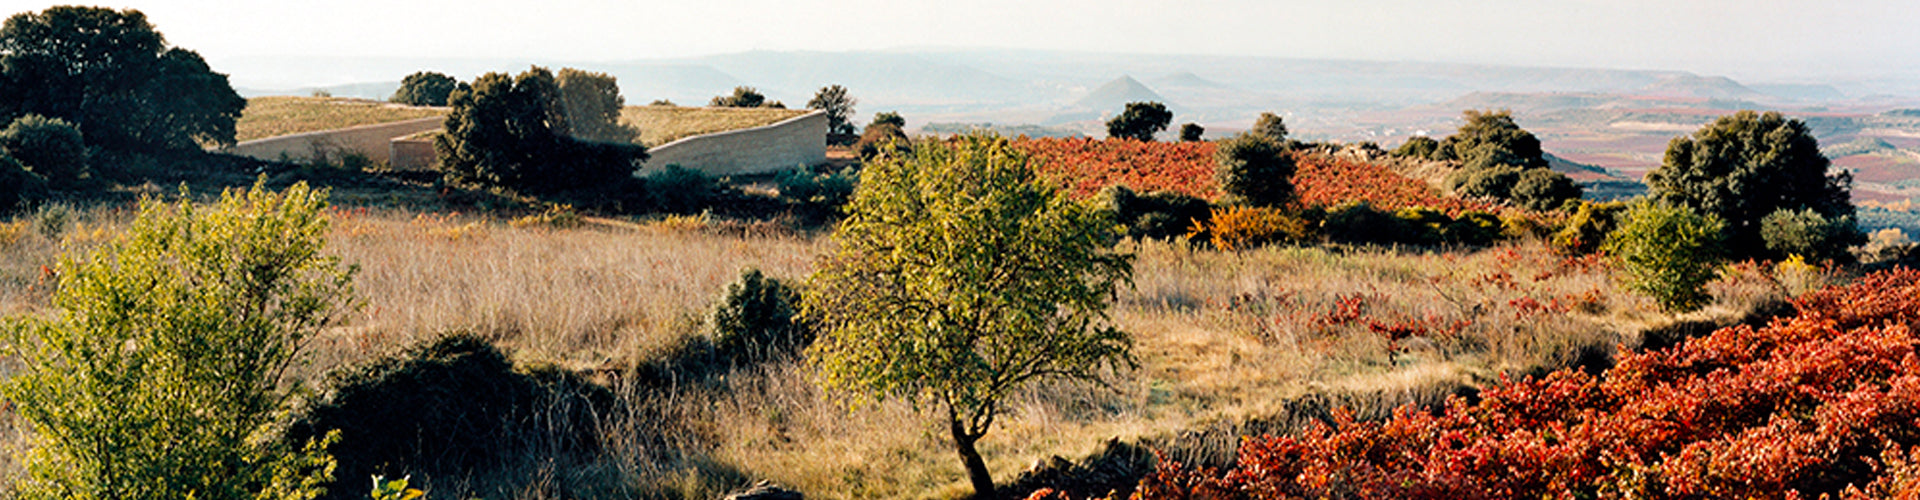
{"points": [[664, 124], [274, 116]]}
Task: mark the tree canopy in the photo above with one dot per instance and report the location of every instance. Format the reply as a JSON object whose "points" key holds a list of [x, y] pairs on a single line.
{"points": [[1140, 121], [1272, 127], [959, 276], [1501, 161], [1746, 166], [839, 107], [1255, 170], [1191, 132], [513, 132], [110, 74], [744, 97], [592, 104], [425, 88]]}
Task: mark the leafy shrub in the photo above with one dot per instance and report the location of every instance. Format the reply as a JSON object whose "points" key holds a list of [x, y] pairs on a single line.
{"points": [[754, 320], [1270, 126], [1418, 146], [1493, 181], [454, 405], [424, 88], [1588, 228], [162, 372], [880, 136], [1244, 228], [18, 186], [50, 147], [1191, 132], [1668, 252], [829, 190], [1254, 170], [681, 190], [1541, 190], [1139, 121], [1808, 234], [1815, 405], [1156, 214], [1361, 223], [1473, 229]]}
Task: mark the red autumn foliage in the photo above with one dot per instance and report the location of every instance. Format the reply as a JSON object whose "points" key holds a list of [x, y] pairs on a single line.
{"points": [[1826, 402], [1089, 165]]}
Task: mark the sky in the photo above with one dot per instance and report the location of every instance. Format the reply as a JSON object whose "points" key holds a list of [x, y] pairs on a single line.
{"points": [[1772, 40]]}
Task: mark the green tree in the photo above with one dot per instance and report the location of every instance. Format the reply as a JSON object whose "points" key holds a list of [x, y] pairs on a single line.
{"points": [[19, 187], [1747, 165], [958, 277], [592, 104], [50, 147], [166, 362], [1191, 132], [1254, 170], [743, 97], [512, 132], [1418, 146], [1497, 129], [1668, 252], [1541, 190], [1140, 121], [839, 107], [1270, 126], [111, 75], [889, 118], [1808, 234], [425, 88]]}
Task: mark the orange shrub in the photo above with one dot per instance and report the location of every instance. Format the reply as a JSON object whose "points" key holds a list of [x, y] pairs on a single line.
{"points": [[1242, 228]]}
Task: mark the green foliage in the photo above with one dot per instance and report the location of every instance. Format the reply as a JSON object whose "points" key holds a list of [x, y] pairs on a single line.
{"points": [[829, 190], [1191, 132], [1155, 214], [839, 107], [50, 147], [164, 367], [1541, 190], [1492, 181], [1668, 252], [881, 135], [1810, 235], [425, 88], [1589, 227], [1418, 146], [959, 276], [453, 405], [1360, 223], [111, 75], [1747, 165], [393, 490], [889, 117], [592, 104], [1270, 126], [681, 190], [1254, 170], [1140, 121], [1473, 229], [513, 133], [754, 320], [744, 97], [1483, 129], [19, 187]]}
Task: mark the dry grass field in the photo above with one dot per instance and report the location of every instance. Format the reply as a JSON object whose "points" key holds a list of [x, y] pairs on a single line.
{"points": [[664, 124], [275, 116], [1221, 337]]}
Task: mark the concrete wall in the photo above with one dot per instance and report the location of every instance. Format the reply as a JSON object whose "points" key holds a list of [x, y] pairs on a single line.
{"points": [[375, 141], [412, 154], [794, 142]]}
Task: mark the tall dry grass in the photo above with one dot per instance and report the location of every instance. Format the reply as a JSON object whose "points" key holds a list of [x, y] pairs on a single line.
{"points": [[1222, 339]]}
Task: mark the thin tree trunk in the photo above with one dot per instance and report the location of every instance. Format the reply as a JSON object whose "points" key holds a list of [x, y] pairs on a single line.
{"points": [[976, 467]]}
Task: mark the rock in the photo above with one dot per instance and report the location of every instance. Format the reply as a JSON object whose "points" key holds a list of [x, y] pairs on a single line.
{"points": [[766, 490]]}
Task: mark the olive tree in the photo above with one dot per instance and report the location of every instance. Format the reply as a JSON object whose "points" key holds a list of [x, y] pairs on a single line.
{"points": [[959, 276], [161, 370]]}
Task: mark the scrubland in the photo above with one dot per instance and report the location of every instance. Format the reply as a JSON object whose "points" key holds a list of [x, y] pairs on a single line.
{"points": [[1222, 339]]}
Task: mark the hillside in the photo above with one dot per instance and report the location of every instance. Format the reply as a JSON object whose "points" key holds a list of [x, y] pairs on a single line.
{"points": [[276, 116]]}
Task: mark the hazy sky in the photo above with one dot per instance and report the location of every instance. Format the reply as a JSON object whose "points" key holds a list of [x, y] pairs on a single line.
{"points": [[1750, 39]]}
